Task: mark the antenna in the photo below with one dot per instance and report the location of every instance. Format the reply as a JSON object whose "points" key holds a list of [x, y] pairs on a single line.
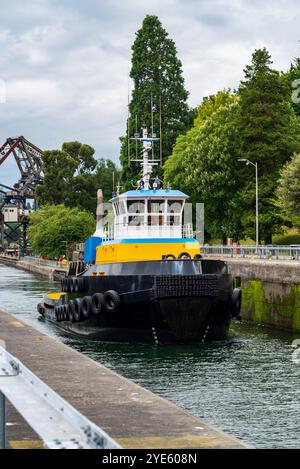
{"points": [[113, 181], [128, 128], [136, 135], [152, 123], [160, 132], [145, 162]]}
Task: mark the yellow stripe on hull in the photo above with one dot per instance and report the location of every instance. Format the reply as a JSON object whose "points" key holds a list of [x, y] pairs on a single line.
{"points": [[133, 252]]}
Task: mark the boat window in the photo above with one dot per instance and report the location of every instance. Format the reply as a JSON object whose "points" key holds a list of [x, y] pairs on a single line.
{"points": [[156, 219], [174, 206], [156, 206], [136, 220], [117, 208], [173, 220], [136, 206], [122, 207]]}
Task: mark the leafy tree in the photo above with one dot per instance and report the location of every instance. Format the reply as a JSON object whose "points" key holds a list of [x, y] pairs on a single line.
{"points": [[288, 190], [54, 227], [106, 174], [157, 76], [72, 176], [203, 164], [269, 133], [293, 76]]}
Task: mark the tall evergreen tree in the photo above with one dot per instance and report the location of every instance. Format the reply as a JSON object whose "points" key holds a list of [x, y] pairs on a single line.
{"points": [[269, 132], [157, 77]]}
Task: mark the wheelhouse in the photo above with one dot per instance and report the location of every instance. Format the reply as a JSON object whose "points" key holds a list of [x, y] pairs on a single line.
{"points": [[150, 214]]}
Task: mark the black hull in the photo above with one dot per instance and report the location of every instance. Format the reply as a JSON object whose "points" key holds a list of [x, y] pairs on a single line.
{"points": [[201, 325], [160, 302]]}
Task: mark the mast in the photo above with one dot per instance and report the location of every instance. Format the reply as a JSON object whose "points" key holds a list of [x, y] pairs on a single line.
{"points": [[145, 161]]}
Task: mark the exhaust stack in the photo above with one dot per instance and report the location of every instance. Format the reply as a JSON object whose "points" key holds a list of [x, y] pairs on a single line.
{"points": [[99, 215]]}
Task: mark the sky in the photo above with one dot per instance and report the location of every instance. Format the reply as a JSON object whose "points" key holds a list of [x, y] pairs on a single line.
{"points": [[64, 64]]}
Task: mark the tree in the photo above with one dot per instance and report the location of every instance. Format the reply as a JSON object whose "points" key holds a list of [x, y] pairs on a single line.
{"points": [[54, 227], [269, 133], [293, 76], [157, 76], [288, 190], [203, 164], [72, 176], [107, 176]]}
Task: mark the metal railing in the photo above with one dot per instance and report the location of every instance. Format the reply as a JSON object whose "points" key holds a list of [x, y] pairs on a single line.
{"points": [[260, 252], [58, 424], [109, 233], [147, 231], [187, 231]]}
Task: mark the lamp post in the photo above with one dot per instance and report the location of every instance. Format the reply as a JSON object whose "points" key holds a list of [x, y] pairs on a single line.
{"points": [[245, 160]]}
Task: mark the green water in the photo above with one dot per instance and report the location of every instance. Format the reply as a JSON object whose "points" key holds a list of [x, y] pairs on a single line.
{"points": [[248, 385]]}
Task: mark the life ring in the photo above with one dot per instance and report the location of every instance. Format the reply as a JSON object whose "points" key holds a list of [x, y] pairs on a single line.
{"points": [[77, 309], [97, 303], [167, 257], [184, 255], [86, 307], [236, 302], [198, 257], [111, 301]]}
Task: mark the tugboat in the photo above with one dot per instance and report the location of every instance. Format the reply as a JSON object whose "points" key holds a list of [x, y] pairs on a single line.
{"points": [[143, 279]]}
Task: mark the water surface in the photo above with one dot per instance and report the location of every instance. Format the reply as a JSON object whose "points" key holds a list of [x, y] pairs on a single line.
{"points": [[248, 385]]}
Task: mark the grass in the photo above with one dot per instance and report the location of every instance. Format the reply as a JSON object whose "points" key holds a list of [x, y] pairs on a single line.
{"points": [[291, 236]]}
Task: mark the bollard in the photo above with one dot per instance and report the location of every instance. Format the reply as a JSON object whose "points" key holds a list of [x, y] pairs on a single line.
{"points": [[2, 421]]}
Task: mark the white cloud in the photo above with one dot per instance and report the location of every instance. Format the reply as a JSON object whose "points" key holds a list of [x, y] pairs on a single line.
{"points": [[66, 63]]}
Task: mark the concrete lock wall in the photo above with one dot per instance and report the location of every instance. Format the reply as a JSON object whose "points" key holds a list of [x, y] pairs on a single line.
{"points": [[271, 291]]}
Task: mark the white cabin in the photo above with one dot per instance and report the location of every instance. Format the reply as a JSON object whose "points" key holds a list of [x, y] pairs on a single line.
{"points": [[150, 214]]}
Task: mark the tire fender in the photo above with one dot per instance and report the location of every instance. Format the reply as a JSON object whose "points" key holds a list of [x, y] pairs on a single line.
{"points": [[168, 257], [77, 309], [112, 301], [97, 303], [236, 302], [86, 307], [184, 255]]}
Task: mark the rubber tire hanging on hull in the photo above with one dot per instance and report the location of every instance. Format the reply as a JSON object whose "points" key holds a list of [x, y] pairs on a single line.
{"points": [[77, 309], [184, 255], [97, 303], [112, 301], [86, 307], [236, 302]]}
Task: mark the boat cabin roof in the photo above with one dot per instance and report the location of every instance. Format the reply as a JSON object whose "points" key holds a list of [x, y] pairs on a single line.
{"points": [[152, 193]]}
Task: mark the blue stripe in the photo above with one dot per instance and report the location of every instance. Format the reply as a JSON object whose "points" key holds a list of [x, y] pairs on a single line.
{"points": [[151, 240]]}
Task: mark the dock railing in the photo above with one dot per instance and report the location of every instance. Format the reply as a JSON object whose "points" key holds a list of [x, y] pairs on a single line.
{"points": [[253, 252], [58, 423]]}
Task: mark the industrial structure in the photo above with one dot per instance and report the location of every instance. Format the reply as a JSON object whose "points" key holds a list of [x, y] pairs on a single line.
{"points": [[14, 210]]}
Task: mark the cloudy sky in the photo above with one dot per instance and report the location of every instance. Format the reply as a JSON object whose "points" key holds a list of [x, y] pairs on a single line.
{"points": [[65, 63]]}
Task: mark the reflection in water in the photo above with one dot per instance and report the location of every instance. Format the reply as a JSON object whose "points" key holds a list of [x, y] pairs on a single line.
{"points": [[248, 385]]}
